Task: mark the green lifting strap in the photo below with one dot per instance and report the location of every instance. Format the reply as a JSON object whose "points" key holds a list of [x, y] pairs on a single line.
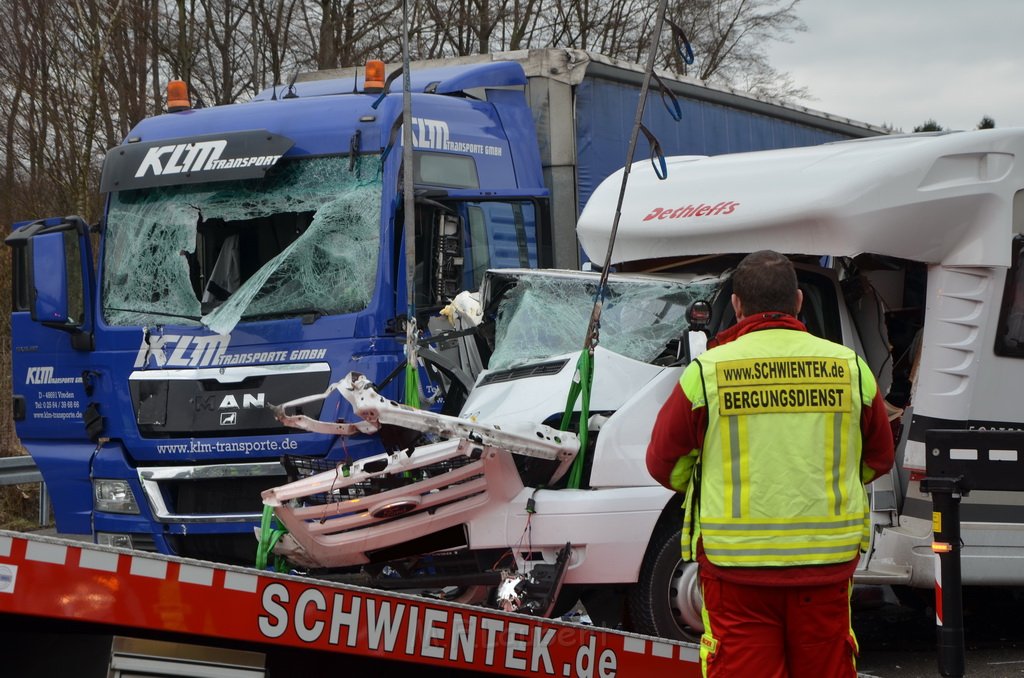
{"points": [[269, 536], [412, 385], [581, 383], [584, 376]]}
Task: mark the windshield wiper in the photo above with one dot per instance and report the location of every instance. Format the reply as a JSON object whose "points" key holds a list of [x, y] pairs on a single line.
{"points": [[314, 313], [156, 313]]}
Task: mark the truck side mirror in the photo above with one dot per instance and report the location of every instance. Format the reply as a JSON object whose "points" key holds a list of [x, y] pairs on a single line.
{"points": [[51, 257], [48, 293]]}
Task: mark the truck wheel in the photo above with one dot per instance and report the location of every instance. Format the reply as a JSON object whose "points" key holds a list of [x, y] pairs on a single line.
{"points": [[666, 600]]}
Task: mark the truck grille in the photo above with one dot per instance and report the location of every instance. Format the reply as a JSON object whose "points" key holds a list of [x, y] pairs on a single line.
{"points": [[218, 495], [222, 493], [210, 493]]}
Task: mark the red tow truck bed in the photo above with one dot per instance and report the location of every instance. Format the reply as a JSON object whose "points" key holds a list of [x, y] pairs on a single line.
{"points": [[50, 583]]}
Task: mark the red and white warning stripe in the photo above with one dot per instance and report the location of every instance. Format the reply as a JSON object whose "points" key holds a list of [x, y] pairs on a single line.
{"points": [[55, 578]]}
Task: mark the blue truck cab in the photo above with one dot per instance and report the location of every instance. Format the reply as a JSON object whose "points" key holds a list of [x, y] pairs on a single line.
{"points": [[254, 253], [247, 255]]}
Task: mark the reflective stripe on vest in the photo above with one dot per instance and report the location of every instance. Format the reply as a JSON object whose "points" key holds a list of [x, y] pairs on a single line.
{"points": [[780, 468]]}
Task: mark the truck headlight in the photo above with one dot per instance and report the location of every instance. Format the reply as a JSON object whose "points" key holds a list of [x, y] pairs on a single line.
{"points": [[109, 539], [113, 496]]}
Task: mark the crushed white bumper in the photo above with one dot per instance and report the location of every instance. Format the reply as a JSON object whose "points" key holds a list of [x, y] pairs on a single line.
{"points": [[340, 517]]}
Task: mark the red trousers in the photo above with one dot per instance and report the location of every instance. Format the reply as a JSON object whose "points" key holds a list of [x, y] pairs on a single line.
{"points": [[777, 631]]}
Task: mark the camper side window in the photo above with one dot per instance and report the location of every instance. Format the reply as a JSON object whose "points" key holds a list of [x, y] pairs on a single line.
{"points": [[1010, 337]]}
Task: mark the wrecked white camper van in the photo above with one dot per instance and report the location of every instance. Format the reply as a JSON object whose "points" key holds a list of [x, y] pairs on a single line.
{"points": [[907, 249]]}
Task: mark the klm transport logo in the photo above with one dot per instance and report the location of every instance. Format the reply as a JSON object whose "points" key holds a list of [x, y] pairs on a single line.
{"points": [[44, 375], [172, 350], [429, 134], [197, 156], [434, 135]]}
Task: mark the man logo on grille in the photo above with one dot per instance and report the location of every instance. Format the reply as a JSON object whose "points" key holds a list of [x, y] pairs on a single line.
{"points": [[228, 418]]}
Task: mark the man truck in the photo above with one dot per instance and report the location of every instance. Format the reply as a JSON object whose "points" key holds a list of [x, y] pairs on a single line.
{"points": [[254, 252]]}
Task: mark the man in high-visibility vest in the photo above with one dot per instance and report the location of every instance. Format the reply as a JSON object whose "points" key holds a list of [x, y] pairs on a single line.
{"points": [[772, 434]]}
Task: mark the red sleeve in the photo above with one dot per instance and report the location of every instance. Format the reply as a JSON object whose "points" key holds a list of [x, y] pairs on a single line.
{"points": [[877, 451], [678, 431]]}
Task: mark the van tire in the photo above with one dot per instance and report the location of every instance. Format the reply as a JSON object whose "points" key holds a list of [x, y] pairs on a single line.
{"points": [[665, 601]]}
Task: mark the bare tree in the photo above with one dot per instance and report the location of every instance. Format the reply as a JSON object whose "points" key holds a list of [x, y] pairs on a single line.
{"points": [[272, 39], [180, 51], [94, 132], [128, 71], [730, 40], [453, 23], [521, 21], [225, 49], [350, 31]]}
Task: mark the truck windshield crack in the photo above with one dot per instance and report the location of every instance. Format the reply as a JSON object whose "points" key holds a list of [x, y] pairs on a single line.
{"points": [[305, 236], [545, 316]]}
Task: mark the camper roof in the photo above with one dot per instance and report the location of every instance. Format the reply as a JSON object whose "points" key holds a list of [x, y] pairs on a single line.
{"points": [[932, 198]]}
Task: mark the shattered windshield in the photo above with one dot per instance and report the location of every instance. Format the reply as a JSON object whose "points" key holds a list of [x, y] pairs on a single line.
{"points": [[303, 239], [544, 316]]}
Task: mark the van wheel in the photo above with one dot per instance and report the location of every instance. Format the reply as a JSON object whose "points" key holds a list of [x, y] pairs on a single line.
{"points": [[666, 600]]}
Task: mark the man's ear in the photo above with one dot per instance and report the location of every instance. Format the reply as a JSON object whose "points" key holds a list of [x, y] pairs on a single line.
{"points": [[737, 306], [799, 299]]}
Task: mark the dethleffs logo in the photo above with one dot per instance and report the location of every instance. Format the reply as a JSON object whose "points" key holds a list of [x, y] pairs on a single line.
{"points": [[196, 156], [698, 210]]}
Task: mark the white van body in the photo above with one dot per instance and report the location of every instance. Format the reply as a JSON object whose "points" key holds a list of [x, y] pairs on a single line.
{"points": [[951, 203], [907, 249]]}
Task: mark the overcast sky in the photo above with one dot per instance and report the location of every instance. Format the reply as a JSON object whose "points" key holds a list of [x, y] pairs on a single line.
{"points": [[902, 62]]}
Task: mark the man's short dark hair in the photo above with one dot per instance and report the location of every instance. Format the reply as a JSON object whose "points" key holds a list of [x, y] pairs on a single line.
{"points": [[765, 281]]}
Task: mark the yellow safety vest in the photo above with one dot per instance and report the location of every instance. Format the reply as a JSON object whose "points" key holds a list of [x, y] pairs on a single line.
{"points": [[779, 482]]}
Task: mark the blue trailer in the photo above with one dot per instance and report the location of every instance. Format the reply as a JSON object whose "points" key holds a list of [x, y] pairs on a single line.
{"points": [[253, 253]]}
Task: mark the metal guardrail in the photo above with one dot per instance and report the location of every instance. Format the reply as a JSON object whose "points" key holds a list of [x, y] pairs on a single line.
{"points": [[18, 470]]}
